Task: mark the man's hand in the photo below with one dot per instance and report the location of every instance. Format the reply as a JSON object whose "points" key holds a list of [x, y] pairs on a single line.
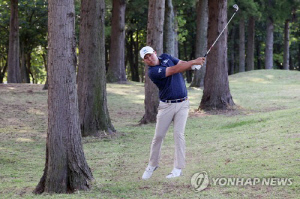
{"points": [[199, 61]]}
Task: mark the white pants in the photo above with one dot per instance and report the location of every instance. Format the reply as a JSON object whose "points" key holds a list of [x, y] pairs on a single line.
{"points": [[168, 112]]}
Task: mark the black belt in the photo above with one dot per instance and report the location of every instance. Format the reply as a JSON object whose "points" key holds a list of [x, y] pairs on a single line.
{"points": [[175, 100]]}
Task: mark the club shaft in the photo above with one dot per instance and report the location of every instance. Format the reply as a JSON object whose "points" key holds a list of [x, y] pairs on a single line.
{"points": [[219, 35]]}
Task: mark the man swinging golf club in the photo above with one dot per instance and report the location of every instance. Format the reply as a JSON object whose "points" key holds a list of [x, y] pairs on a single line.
{"points": [[165, 71]]}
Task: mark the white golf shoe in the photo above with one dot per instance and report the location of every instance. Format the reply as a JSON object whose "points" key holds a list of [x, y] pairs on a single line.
{"points": [[148, 172], [175, 173]]}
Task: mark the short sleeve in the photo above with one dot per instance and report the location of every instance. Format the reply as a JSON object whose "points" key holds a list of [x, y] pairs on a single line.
{"points": [[174, 60], [156, 73]]}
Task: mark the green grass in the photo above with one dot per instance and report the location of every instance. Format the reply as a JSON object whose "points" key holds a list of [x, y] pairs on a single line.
{"points": [[260, 139]]}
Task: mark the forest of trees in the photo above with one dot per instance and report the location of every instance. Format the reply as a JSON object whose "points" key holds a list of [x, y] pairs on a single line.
{"points": [[91, 42], [264, 35]]}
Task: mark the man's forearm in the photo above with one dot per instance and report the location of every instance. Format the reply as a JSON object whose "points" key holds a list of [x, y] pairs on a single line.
{"points": [[180, 67], [184, 65]]}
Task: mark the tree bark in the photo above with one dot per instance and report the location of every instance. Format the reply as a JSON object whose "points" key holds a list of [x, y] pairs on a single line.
{"points": [[116, 70], [242, 45], [24, 72], [156, 13], [250, 44], [66, 169], [94, 115], [258, 55], [176, 34], [169, 29], [232, 51], [28, 66], [286, 50], [14, 73], [131, 57], [201, 41], [216, 93], [269, 44]]}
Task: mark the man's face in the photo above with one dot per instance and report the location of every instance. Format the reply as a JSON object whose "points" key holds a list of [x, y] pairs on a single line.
{"points": [[151, 59]]}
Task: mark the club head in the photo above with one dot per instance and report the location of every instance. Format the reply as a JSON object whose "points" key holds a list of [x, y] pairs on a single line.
{"points": [[236, 7]]}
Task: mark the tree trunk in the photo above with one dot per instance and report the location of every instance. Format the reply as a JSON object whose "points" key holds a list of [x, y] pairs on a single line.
{"points": [[94, 116], [136, 55], [24, 72], [250, 44], [242, 45], [232, 50], [133, 65], [28, 64], [14, 73], [156, 13], [216, 93], [299, 57], [291, 63], [201, 41], [116, 70], [66, 169], [269, 44], [176, 33], [46, 85], [2, 72], [169, 29], [286, 49], [258, 55]]}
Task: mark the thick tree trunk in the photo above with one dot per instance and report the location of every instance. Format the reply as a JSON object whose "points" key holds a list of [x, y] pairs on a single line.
{"points": [[14, 73], [242, 45], [156, 13], [169, 29], [286, 49], [216, 93], [116, 70], [250, 44], [269, 44], [201, 41], [94, 116], [66, 169]]}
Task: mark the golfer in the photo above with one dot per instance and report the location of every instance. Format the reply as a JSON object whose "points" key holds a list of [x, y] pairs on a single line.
{"points": [[165, 71]]}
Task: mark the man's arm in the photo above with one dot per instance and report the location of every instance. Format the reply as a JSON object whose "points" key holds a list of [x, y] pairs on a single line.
{"points": [[183, 66]]}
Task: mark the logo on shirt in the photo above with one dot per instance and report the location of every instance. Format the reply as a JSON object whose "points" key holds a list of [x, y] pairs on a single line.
{"points": [[165, 61], [159, 70]]}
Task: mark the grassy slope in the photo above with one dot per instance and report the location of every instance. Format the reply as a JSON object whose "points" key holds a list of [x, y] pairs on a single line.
{"points": [[260, 139]]}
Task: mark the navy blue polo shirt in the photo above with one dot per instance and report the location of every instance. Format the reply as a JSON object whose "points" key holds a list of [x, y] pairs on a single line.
{"points": [[171, 87]]}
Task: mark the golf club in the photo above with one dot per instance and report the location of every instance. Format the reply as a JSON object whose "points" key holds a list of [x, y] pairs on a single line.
{"points": [[236, 7]]}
